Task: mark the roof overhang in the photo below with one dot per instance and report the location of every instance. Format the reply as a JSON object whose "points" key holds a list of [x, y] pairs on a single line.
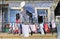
{"points": [[4, 5]]}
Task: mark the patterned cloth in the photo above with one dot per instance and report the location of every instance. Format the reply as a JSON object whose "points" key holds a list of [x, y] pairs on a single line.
{"points": [[53, 24], [24, 17]]}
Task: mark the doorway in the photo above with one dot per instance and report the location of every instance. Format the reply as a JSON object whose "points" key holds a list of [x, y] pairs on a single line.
{"points": [[40, 19], [44, 12], [4, 18], [4, 15], [41, 14]]}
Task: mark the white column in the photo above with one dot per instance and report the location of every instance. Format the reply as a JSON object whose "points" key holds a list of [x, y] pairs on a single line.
{"points": [[36, 14], [0, 20], [52, 10], [8, 14], [49, 14]]}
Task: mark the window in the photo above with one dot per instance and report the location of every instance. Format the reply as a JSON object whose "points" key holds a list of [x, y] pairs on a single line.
{"points": [[44, 12], [13, 13]]}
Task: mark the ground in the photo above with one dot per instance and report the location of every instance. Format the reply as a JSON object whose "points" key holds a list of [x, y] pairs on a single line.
{"points": [[34, 36]]}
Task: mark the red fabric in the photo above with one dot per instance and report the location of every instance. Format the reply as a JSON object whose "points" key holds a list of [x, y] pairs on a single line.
{"points": [[16, 31], [18, 21], [46, 27], [35, 27], [48, 30]]}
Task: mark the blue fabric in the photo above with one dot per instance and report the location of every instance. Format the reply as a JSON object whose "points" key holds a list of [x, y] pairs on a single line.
{"points": [[20, 26], [25, 17], [29, 8]]}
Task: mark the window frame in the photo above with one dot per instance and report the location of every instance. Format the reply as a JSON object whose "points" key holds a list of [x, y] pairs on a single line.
{"points": [[36, 14]]}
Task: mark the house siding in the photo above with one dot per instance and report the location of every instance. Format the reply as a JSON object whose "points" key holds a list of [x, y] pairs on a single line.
{"points": [[35, 4]]}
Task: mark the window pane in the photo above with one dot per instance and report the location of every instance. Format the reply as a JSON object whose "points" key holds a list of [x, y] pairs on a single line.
{"points": [[41, 12]]}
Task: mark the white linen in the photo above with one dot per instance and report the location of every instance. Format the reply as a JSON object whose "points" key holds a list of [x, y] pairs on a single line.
{"points": [[33, 28], [25, 30], [41, 28]]}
